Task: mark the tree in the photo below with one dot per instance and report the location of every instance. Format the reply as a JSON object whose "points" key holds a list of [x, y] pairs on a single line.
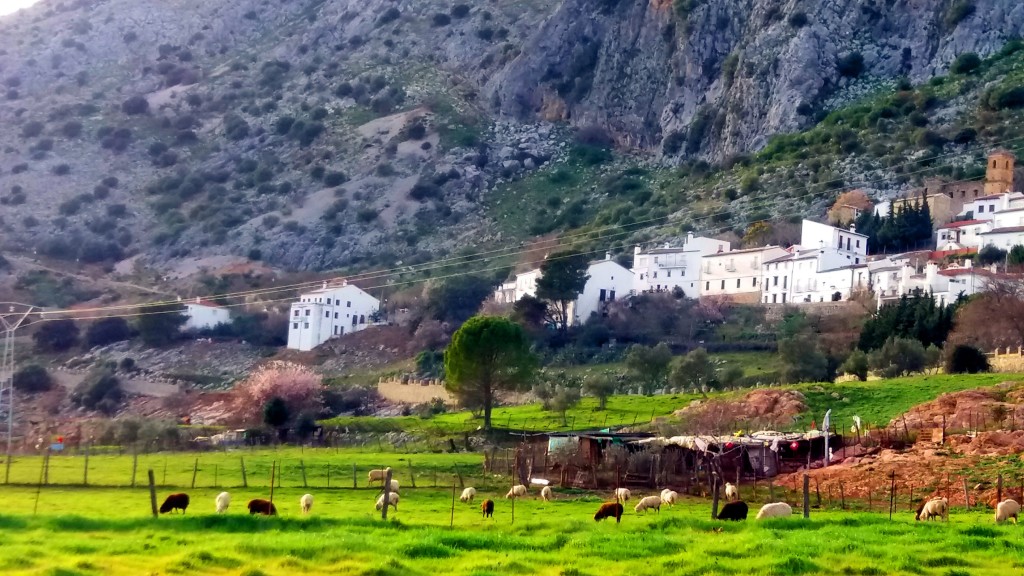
{"points": [[298, 387], [32, 378], [100, 390], [562, 279], [487, 355], [965, 63], [898, 357], [564, 399], [802, 359], [650, 365], [601, 387], [991, 254], [932, 357], [458, 298], [1015, 258], [530, 313], [694, 370], [558, 392], [914, 316], [966, 360], [839, 212], [994, 318], [276, 415], [856, 364], [107, 331], [56, 336], [757, 234], [160, 325]]}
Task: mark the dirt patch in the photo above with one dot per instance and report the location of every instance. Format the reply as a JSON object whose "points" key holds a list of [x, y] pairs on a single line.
{"points": [[766, 408], [370, 348], [999, 406]]}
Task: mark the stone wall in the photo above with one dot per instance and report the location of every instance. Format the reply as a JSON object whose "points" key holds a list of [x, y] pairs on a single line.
{"points": [[410, 390]]}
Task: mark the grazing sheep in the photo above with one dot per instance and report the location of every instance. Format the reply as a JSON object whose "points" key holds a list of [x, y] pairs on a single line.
{"points": [[546, 494], [468, 494], [648, 503], [394, 486], [487, 507], [774, 510], [734, 511], [669, 497], [392, 500], [306, 503], [934, 508], [261, 506], [1006, 510], [731, 493], [223, 501], [621, 495], [609, 510], [378, 475], [174, 502], [517, 491]]}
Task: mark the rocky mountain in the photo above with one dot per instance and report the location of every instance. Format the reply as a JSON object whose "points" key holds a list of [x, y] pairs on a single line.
{"points": [[323, 133]]}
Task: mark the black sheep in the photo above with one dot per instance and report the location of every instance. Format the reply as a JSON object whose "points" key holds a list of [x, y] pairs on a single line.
{"points": [[487, 506], [174, 502], [609, 510], [733, 511], [260, 506]]}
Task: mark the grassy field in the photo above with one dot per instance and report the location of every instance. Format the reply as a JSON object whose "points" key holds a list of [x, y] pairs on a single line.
{"points": [[110, 532]]}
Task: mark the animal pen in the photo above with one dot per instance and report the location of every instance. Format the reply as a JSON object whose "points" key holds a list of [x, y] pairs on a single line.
{"points": [[604, 460]]}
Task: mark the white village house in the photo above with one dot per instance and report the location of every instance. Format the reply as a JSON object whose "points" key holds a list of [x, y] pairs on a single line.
{"points": [[667, 268], [329, 312], [203, 315], [829, 264], [736, 275]]}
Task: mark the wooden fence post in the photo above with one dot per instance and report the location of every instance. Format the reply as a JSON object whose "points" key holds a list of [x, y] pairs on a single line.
{"points": [[387, 494], [135, 465], [892, 492], [807, 496], [195, 470], [714, 499], [967, 495], [412, 474], [273, 470], [245, 481], [215, 476], [328, 474], [999, 488], [354, 484], [842, 496], [152, 492], [85, 469], [458, 472], [302, 467], [451, 522], [771, 490]]}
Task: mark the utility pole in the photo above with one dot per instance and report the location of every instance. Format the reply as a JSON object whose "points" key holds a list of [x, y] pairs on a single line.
{"points": [[10, 320]]}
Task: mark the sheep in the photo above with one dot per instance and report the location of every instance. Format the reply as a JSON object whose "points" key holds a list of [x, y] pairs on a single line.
{"points": [[223, 501], [621, 495], [394, 486], [734, 511], [487, 507], [936, 507], [774, 510], [392, 500], [378, 475], [306, 503], [261, 506], [517, 491], [609, 510], [648, 503], [468, 494], [546, 495], [1007, 510], [669, 497], [731, 493], [174, 502]]}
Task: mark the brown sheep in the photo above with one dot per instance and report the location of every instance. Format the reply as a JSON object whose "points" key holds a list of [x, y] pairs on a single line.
{"points": [[174, 502], [487, 506], [261, 506], [609, 510]]}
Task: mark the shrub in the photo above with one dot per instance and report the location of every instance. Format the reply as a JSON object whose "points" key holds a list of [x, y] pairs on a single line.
{"points": [[460, 11], [135, 105], [958, 12], [389, 15], [856, 364], [798, 20], [1011, 98], [56, 336], [441, 19], [333, 178], [851, 65], [673, 143], [62, 169], [107, 331], [965, 63], [898, 357], [32, 129], [424, 190], [32, 378], [71, 129], [235, 127], [415, 131], [101, 390], [966, 360], [297, 387], [366, 215]]}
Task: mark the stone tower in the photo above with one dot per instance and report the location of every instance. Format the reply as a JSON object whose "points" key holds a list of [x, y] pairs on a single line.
{"points": [[999, 172]]}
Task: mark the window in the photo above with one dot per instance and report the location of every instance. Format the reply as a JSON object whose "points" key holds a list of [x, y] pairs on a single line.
{"points": [[305, 325], [981, 209], [295, 325], [362, 319], [754, 281], [601, 296], [611, 296], [668, 274], [785, 281], [335, 330], [335, 315], [775, 281], [348, 304], [858, 243], [723, 284], [296, 313], [327, 314], [307, 312], [707, 285], [354, 318], [655, 274], [856, 260], [737, 282], [783, 297], [774, 296]]}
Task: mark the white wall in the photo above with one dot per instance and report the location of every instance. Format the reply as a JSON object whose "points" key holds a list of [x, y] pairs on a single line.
{"points": [[735, 273], [608, 281], [815, 235], [664, 269], [203, 317], [329, 313]]}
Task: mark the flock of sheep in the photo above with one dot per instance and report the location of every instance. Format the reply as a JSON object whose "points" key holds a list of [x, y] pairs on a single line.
{"points": [[734, 508]]}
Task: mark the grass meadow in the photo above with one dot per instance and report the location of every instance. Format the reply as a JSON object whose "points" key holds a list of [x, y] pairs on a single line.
{"points": [[110, 532]]}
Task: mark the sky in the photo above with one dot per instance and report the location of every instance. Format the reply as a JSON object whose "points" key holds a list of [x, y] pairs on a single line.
{"points": [[8, 6]]}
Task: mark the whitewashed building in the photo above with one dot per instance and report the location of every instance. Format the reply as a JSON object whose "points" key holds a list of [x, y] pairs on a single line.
{"points": [[204, 315], [667, 268], [961, 235], [329, 313], [609, 281], [1007, 229], [736, 275], [847, 243], [945, 285]]}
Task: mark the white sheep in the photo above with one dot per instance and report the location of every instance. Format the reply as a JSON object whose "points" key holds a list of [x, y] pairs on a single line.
{"points": [[648, 502], [306, 503], [394, 486], [621, 494], [731, 493], [774, 510], [468, 494], [223, 501], [392, 499], [378, 475], [546, 495], [517, 491], [1007, 510], [669, 497], [934, 508]]}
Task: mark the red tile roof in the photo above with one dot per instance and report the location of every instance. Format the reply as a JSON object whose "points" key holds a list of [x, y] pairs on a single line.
{"points": [[962, 223]]}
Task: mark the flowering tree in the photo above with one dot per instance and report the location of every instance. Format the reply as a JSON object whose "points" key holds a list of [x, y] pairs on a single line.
{"points": [[298, 387]]}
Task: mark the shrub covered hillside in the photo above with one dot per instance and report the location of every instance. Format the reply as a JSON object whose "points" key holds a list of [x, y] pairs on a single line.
{"points": [[318, 134]]}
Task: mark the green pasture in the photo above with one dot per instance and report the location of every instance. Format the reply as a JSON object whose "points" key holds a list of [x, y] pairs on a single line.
{"points": [[110, 532]]}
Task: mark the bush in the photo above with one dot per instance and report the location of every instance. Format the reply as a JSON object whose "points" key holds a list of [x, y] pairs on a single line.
{"points": [[460, 11], [441, 19], [135, 105], [424, 190], [798, 20], [898, 357], [32, 129], [235, 127], [958, 12], [32, 378], [56, 336], [851, 65], [101, 391], [389, 15], [71, 129], [333, 178], [673, 143], [61, 169], [966, 360], [1011, 98], [965, 63], [107, 331], [856, 364]]}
